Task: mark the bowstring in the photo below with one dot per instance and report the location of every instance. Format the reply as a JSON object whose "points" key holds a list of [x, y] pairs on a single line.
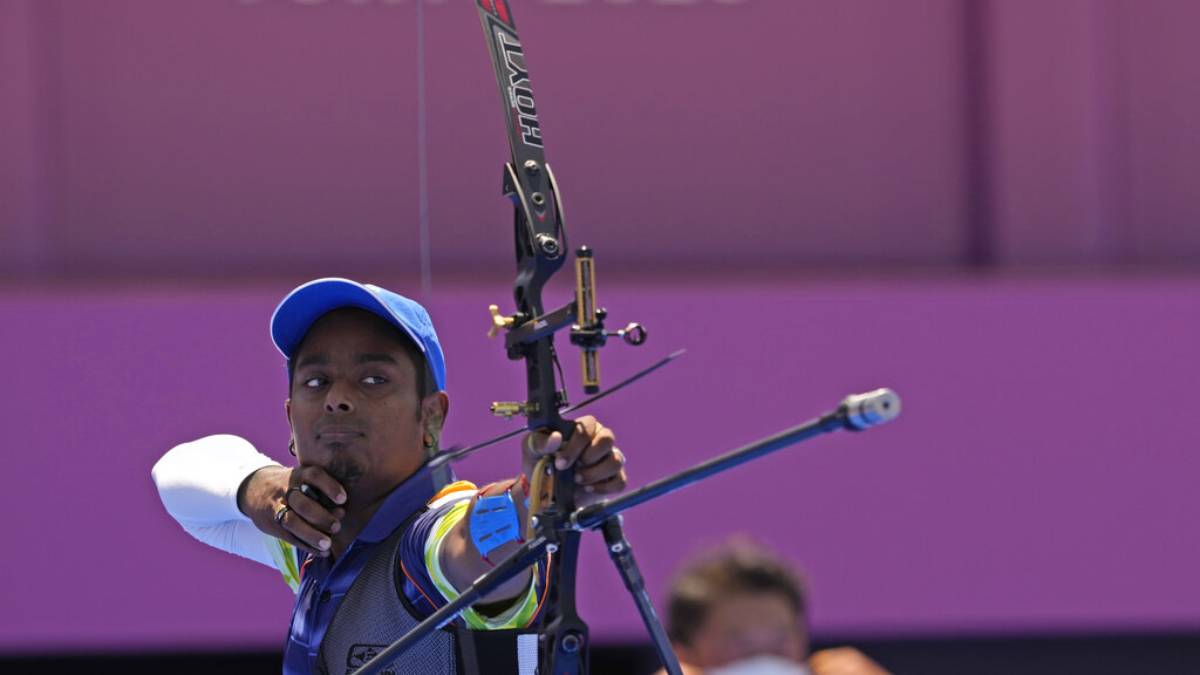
{"points": [[423, 219]]}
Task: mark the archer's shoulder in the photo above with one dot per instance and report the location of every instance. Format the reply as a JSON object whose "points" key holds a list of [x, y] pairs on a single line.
{"points": [[454, 492]]}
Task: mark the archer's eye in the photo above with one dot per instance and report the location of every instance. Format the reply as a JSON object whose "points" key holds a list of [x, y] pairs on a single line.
{"points": [[374, 379]]}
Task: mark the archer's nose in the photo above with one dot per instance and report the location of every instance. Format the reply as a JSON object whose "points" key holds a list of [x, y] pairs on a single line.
{"points": [[336, 401]]}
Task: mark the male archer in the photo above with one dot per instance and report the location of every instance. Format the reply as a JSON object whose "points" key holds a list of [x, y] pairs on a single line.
{"points": [[371, 540]]}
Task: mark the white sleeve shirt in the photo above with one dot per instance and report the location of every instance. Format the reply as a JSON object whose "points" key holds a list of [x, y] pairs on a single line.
{"points": [[198, 483]]}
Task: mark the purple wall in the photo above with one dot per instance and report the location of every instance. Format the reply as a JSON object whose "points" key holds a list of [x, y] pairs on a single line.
{"points": [[1042, 476], [147, 136], [156, 158]]}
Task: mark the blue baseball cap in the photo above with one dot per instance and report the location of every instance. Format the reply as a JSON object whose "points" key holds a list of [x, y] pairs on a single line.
{"points": [[309, 302]]}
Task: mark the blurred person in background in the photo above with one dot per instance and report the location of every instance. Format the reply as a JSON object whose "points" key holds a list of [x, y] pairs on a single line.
{"points": [[740, 610]]}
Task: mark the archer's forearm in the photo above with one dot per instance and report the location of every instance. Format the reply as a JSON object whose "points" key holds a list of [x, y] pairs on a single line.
{"points": [[463, 564]]}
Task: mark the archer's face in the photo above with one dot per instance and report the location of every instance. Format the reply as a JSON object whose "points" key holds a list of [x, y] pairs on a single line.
{"points": [[744, 625], [354, 407]]}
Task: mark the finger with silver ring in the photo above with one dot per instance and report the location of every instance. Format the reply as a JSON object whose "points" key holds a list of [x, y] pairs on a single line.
{"points": [[300, 528]]}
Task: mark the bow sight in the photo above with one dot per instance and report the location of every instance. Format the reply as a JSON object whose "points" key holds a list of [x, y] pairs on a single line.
{"points": [[587, 331]]}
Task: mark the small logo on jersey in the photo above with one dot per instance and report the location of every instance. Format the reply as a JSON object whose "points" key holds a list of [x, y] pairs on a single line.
{"points": [[360, 654]]}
